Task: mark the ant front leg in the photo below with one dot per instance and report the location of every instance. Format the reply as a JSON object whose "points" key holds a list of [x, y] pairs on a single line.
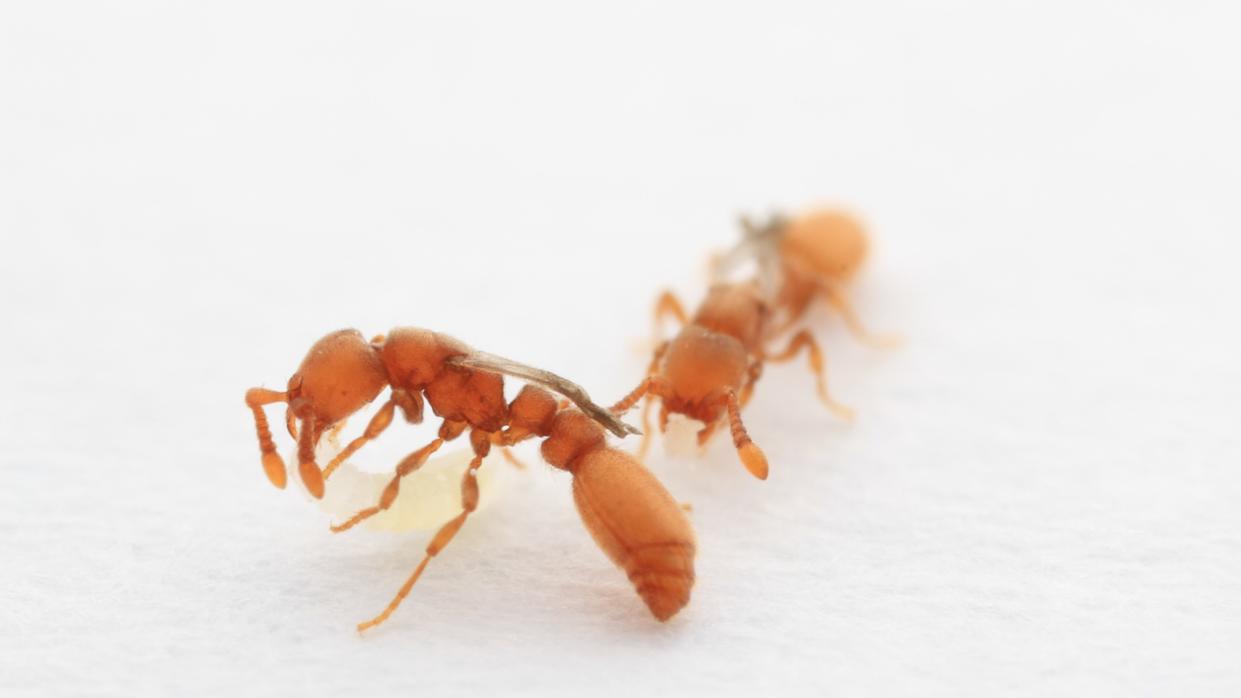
{"points": [[705, 434], [751, 455], [273, 464], [312, 477], [668, 304], [410, 403], [378, 423], [652, 385], [481, 443], [449, 430], [818, 366]]}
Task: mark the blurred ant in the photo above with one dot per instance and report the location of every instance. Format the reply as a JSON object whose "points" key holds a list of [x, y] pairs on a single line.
{"points": [[708, 370], [627, 511]]}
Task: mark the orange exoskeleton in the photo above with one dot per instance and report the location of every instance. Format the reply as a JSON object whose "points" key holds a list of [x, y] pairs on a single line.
{"points": [[628, 512]]}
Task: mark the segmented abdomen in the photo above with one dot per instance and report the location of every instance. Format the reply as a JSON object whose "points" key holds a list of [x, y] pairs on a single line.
{"points": [[639, 525], [663, 575]]}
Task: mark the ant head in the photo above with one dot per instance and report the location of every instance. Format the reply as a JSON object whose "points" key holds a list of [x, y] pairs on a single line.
{"points": [[572, 435], [700, 362], [827, 242], [340, 374]]}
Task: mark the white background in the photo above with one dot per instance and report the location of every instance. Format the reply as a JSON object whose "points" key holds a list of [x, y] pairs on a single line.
{"points": [[1040, 495]]}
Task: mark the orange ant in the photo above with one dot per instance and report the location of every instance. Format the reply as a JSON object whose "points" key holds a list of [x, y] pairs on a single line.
{"points": [[627, 511], [708, 370]]}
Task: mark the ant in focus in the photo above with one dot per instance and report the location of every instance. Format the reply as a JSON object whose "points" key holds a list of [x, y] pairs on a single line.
{"points": [[627, 511], [708, 370]]}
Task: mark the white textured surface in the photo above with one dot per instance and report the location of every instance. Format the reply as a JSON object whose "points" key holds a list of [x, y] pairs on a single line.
{"points": [[1040, 496]]}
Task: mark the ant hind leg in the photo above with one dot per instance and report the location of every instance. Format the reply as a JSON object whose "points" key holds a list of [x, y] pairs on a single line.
{"points": [[481, 442], [645, 444]]}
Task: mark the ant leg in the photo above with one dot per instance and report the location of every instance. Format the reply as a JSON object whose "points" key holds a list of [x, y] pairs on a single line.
{"points": [[273, 464], [751, 455], [650, 384], [646, 426], [705, 434], [747, 391], [668, 304], [290, 422], [378, 423], [512, 459], [312, 477], [449, 430], [795, 307], [804, 338], [410, 403], [645, 444], [838, 298], [627, 402], [481, 442]]}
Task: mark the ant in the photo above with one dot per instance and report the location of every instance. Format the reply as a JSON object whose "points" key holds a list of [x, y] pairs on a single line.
{"points": [[708, 370], [624, 507]]}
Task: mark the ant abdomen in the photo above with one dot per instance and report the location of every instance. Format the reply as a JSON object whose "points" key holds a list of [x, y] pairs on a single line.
{"points": [[639, 525]]}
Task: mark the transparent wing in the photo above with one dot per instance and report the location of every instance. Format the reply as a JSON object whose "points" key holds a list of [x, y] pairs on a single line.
{"points": [[576, 394], [760, 243]]}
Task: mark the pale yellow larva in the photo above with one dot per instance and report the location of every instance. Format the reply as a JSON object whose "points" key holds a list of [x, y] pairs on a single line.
{"points": [[429, 496]]}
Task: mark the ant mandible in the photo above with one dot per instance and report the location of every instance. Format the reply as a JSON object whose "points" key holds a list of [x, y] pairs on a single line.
{"points": [[627, 511]]}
